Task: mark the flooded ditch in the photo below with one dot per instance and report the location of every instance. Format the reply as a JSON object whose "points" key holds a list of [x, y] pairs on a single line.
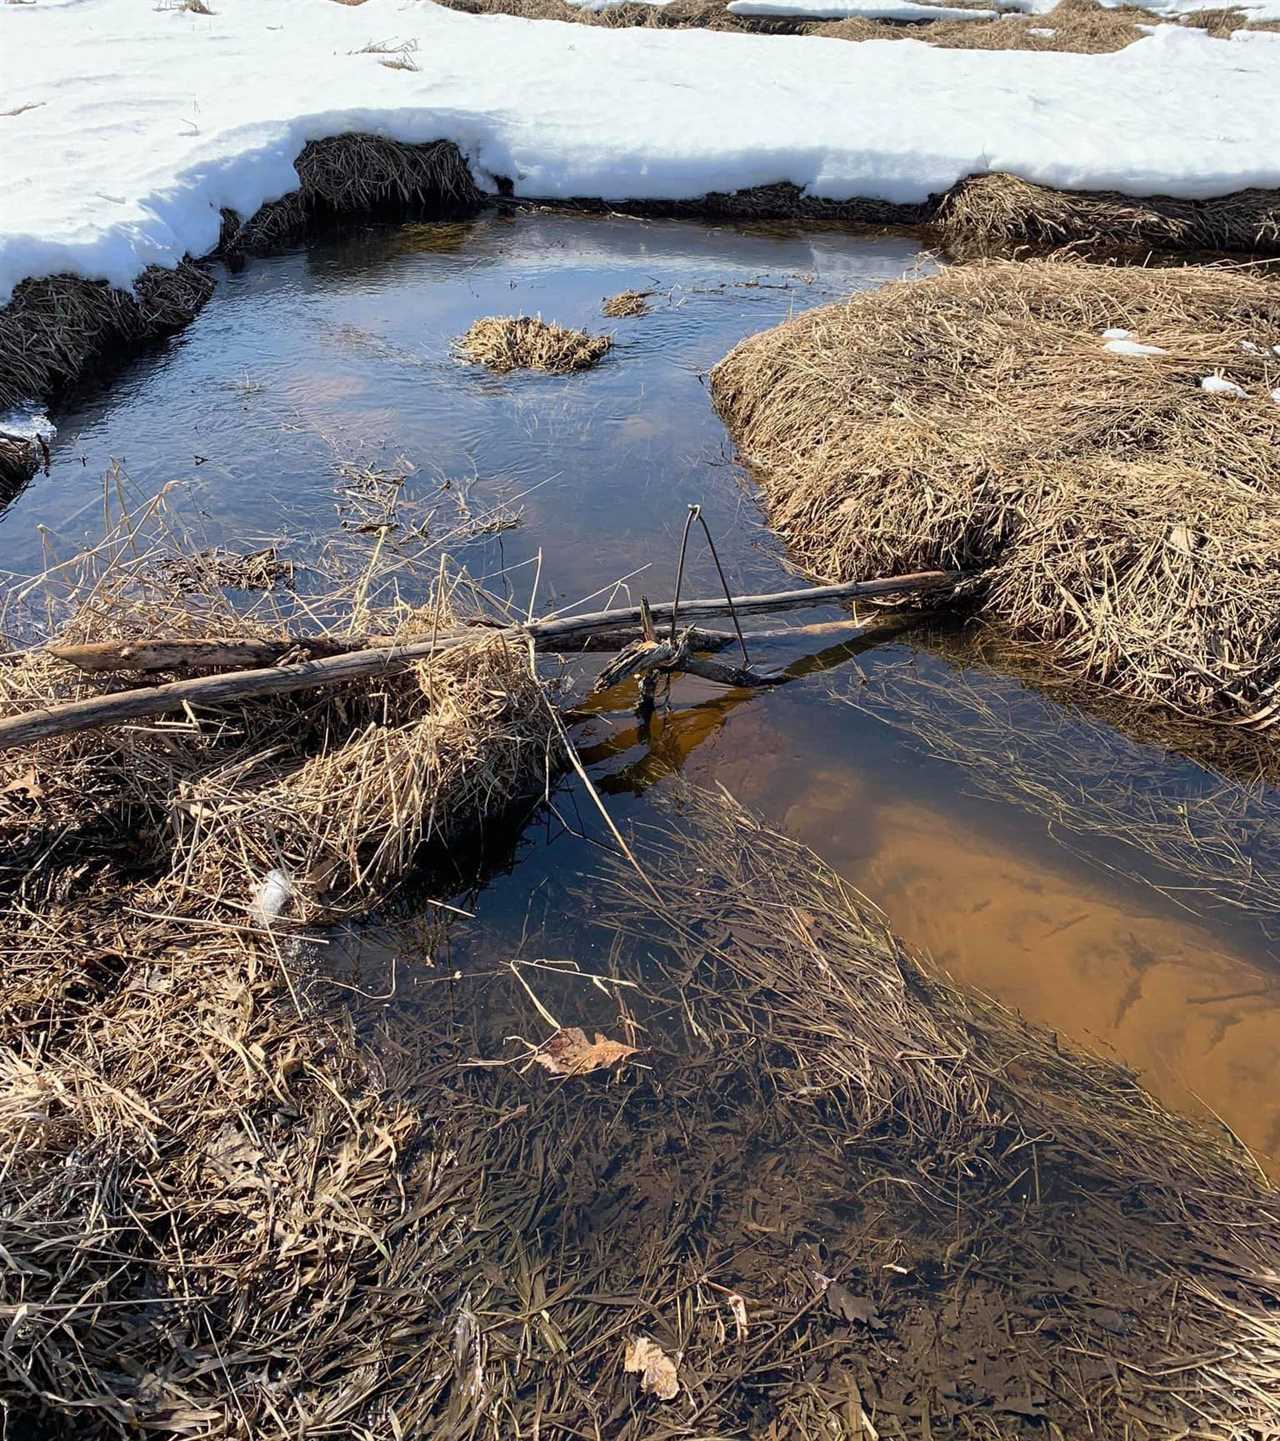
{"points": [[320, 392]]}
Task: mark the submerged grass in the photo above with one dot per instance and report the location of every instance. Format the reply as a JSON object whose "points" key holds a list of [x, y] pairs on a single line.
{"points": [[247, 1193], [1116, 511], [527, 342]]}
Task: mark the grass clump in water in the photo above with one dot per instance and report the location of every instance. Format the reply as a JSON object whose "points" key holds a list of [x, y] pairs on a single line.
{"points": [[527, 342], [626, 305]]}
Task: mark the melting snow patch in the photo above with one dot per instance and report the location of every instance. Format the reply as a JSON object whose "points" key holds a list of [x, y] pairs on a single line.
{"points": [[133, 133], [1133, 347], [1041, 33], [1250, 347], [1275, 395], [1115, 333], [1220, 385]]}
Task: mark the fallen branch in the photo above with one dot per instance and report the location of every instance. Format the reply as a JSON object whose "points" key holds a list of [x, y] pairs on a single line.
{"points": [[597, 630], [234, 687]]}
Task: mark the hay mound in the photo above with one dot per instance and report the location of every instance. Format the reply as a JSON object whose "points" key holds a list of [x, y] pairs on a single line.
{"points": [[996, 214], [626, 304], [56, 327], [525, 342], [1122, 517]]}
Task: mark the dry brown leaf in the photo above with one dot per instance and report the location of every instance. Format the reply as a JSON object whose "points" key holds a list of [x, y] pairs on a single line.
{"points": [[569, 1053], [657, 1369], [28, 784]]}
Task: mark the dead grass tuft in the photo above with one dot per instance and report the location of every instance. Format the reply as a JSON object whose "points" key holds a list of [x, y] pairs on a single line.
{"points": [[1121, 517], [524, 342], [360, 174], [1000, 214], [55, 327], [626, 304], [19, 461]]}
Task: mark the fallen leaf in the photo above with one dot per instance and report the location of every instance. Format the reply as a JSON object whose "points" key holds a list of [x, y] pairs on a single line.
{"points": [[842, 1302], [657, 1369], [569, 1053], [28, 785]]}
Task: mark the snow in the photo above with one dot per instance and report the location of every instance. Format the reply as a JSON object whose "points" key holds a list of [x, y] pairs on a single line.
{"points": [[1133, 347], [1116, 334], [28, 424], [1220, 385], [844, 9], [137, 125], [1275, 395], [1040, 32]]}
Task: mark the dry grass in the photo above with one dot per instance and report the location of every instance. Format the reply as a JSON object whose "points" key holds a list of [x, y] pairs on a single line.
{"points": [[214, 1178], [626, 304], [1121, 517], [358, 174], [1000, 214], [19, 461], [1078, 26], [524, 342], [56, 327]]}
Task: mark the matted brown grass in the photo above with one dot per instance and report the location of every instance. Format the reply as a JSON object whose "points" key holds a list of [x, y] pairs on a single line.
{"points": [[1114, 512], [214, 1176], [627, 304], [1000, 214], [527, 342]]}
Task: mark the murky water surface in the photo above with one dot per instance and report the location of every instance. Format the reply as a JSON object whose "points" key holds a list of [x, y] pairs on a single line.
{"points": [[318, 391]]}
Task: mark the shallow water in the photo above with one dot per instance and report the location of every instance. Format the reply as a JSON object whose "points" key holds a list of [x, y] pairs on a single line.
{"points": [[311, 371]]}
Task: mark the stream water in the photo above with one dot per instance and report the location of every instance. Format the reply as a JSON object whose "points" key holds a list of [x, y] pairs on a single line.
{"points": [[318, 390]]}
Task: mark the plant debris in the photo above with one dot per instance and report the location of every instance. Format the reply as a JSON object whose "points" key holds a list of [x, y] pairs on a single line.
{"points": [[657, 1371], [626, 304], [522, 342], [569, 1053]]}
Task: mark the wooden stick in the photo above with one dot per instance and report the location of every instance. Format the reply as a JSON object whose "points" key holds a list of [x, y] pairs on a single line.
{"points": [[235, 686]]}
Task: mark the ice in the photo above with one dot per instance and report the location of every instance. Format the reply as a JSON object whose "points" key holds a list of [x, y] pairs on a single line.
{"points": [[134, 127], [1220, 385], [1133, 347]]}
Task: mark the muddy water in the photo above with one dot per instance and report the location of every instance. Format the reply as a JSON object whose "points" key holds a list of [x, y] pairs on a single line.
{"points": [[315, 369]]}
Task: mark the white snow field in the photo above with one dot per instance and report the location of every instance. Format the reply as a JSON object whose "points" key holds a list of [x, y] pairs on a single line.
{"points": [[127, 128]]}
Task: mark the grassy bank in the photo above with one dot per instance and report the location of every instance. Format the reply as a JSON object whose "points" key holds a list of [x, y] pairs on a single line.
{"points": [[1096, 445]]}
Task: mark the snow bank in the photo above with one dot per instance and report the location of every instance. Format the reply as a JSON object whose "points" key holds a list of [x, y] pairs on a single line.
{"points": [[863, 9], [128, 128]]}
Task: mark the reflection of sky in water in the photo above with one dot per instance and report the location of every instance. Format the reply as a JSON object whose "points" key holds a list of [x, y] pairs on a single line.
{"points": [[342, 356]]}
